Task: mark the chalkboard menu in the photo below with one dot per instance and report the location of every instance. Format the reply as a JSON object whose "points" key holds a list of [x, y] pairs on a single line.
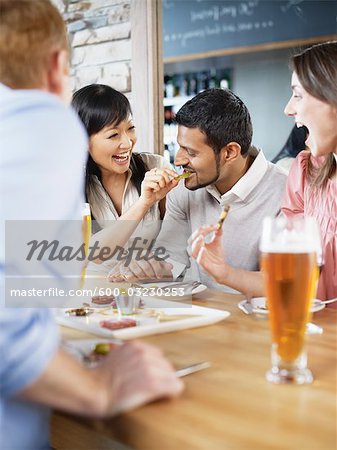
{"points": [[201, 26]]}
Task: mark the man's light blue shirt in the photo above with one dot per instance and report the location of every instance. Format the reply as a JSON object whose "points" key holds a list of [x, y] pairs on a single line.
{"points": [[43, 151]]}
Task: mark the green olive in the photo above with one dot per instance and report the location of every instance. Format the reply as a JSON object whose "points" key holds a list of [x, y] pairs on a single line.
{"points": [[102, 348]]}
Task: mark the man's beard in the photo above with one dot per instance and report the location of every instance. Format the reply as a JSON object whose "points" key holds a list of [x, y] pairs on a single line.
{"points": [[212, 181]]}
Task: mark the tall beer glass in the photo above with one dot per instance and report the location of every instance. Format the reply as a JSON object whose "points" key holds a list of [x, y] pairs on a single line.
{"points": [[289, 251], [86, 232]]}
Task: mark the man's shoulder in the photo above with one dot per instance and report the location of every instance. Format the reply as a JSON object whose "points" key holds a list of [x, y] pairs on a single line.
{"points": [[276, 171], [39, 116], [272, 184], [49, 108], [23, 100], [33, 102]]}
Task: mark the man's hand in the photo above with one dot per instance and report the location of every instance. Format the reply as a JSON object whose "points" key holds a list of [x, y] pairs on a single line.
{"points": [[141, 271], [210, 255], [137, 373], [131, 375]]}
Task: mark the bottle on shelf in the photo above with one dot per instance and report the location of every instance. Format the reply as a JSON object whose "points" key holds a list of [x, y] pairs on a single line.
{"points": [[193, 85], [177, 80], [185, 85], [168, 114], [179, 85], [213, 79], [169, 86], [224, 78], [202, 81]]}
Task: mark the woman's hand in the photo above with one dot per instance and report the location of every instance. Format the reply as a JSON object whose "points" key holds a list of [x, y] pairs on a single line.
{"points": [[209, 255], [156, 185]]}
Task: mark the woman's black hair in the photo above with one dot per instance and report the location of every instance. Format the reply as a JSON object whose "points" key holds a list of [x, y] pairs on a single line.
{"points": [[99, 105], [294, 144]]}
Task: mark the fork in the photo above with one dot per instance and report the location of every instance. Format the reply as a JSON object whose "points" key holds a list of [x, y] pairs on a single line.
{"points": [[85, 358], [327, 302]]}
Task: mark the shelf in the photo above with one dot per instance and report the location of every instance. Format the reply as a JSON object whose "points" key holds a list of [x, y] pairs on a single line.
{"points": [[176, 101]]}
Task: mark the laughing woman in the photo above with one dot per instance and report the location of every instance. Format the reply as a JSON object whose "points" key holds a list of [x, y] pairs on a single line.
{"points": [[120, 185], [312, 185]]}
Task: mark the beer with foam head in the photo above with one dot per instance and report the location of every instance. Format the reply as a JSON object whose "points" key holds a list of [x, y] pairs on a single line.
{"points": [[289, 266], [290, 280]]}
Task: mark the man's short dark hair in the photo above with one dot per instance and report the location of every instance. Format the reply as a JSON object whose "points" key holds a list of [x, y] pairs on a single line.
{"points": [[221, 116]]}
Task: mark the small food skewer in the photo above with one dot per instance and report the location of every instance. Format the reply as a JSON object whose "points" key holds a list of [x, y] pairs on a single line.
{"points": [[223, 216], [183, 175]]}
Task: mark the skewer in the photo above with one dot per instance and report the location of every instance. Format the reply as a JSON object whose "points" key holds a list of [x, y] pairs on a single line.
{"points": [[223, 216]]}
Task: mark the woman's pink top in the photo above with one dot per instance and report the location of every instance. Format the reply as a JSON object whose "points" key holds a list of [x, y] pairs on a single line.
{"points": [[304, 199]]}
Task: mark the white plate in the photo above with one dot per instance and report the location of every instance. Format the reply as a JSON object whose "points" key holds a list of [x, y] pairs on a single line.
{"points": [[196, 316], [259, 305]]}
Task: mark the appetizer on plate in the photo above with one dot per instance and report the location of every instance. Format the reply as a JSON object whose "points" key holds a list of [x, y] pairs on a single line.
{"points": [[118, 324], [79, 312]]}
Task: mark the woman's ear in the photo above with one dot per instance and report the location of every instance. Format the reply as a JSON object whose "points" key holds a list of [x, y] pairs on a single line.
{"points": [[230, 152], [58, 75]]}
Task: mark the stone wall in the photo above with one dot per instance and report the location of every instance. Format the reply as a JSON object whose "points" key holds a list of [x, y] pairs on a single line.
{"points": [[99, 32]]}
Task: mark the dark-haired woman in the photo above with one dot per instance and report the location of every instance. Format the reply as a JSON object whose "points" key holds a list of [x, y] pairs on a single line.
{"points": [[120, 184]]}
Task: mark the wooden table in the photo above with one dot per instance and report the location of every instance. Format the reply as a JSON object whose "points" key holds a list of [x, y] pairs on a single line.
{"points": [[230, 405]]}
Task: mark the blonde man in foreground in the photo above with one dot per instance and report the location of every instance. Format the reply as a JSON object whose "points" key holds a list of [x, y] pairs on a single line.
{"points": [[43, 152]]}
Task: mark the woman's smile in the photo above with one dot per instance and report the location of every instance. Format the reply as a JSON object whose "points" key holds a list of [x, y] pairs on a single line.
{"points": [[121, 158]]}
